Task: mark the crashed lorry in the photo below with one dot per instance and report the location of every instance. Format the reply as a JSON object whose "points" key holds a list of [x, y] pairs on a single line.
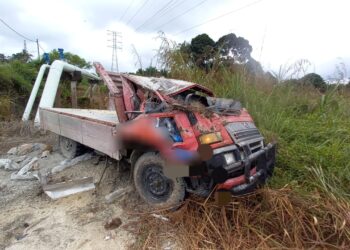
{"points": [[177, 137]]}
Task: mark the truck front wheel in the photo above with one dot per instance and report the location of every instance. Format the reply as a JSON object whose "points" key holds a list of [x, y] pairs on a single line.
{"points": [[153, 186]]}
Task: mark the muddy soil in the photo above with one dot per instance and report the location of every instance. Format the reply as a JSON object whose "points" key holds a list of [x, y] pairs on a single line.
{"points": [[29, 219]]}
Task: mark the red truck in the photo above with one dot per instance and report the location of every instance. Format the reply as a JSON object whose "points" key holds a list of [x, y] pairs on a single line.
{"points": [[177, 137]]}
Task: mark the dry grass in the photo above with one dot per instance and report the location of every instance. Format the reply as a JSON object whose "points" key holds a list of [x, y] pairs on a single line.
{"points": [[269, 218]]}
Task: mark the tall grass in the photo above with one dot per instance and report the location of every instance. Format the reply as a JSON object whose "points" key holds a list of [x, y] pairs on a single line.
{"points": [[307, 201]]}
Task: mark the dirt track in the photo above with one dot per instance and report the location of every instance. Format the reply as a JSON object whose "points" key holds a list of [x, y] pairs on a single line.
{"points": [[29, 219]]}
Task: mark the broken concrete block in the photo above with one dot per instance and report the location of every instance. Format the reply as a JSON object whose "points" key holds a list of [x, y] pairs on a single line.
{"points": [[20, 158], [28, 148], [25, 149], [23, 173], [5, 163], [28, 166], [69, 163], [12, 151], [42, 147], [25, 161], [9, 164], [45, 154]]}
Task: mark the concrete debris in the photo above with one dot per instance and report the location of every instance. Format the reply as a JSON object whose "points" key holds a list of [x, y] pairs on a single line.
{"points": [[118, 194], [63, 189], [71, 162], [9, 164], [25, 161], [113, 223], [29, 166], [20, 158], [45, 154], [160, 217], [12, 151], [23, 173], [28, 148]]}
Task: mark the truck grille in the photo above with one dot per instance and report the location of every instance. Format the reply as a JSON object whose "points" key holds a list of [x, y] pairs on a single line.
{"points": [[245, 133]]}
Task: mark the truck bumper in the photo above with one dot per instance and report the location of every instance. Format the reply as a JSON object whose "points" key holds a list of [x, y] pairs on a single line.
{"points": [[254, 175]]}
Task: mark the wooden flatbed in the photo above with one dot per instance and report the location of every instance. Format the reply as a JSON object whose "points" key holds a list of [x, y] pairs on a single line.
{"points": [[90, 127]]}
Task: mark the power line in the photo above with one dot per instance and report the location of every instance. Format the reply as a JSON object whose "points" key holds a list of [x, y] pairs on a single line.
{"points": [[127, 9], [157, 12], [173, 19], [26, 38], [173, 7], [8, 26], [218, 17], [141, 7]]}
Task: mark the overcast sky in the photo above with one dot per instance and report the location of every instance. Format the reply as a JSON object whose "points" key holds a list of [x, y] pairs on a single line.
{"points": [[280, 31]]}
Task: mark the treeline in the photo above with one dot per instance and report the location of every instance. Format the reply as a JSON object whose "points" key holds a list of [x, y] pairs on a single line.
{"points": [[230, 52]]}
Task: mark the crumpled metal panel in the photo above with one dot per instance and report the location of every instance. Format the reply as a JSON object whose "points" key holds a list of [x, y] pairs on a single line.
{"points": [[163, 85]]}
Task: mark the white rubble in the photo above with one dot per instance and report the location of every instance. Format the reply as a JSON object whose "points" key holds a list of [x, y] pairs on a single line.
{"points": [[27, 148], [70, 162], [45, 154], [23, 173], [9, 164]]}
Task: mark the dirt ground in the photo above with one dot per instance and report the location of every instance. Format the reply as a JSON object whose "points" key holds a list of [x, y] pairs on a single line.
{"points": [[29, 219]]}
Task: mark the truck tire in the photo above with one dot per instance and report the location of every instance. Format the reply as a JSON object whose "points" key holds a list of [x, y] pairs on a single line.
{"points": [[153, 186], [69, 148]]}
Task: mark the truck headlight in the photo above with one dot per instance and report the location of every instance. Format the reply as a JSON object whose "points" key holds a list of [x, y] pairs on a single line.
{"points": [[210, 138], [229, 158]]}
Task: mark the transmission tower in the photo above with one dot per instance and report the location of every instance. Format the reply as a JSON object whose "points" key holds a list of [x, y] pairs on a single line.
{"points": [[116, 45]]}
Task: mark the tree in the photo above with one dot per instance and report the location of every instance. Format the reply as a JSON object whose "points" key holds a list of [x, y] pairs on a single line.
{"points": [[202, 50], [254, 67], [151, 71], [234, 49], [23, 56], [3, 58], [70, 58], [315, 80]]}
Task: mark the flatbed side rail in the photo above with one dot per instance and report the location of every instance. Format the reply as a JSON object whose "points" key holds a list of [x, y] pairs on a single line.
{"points": [[94, 133]]}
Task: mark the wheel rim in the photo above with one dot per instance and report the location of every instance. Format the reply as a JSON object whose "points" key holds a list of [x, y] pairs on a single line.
{"points": [[155, 183]]}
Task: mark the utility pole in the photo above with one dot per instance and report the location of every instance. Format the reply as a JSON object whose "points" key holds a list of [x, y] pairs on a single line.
{"points": [[24, 46], [116, 45], [37, 46]]}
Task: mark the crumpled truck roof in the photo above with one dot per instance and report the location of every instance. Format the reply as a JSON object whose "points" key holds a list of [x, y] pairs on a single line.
{"points": [[165, 86]]}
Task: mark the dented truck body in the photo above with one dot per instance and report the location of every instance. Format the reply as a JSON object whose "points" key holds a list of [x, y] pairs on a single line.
{"points": [[177, 136]]}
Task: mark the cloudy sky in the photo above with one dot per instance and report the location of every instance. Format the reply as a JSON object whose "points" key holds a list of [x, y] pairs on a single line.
{"points": [[280, 31]]}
